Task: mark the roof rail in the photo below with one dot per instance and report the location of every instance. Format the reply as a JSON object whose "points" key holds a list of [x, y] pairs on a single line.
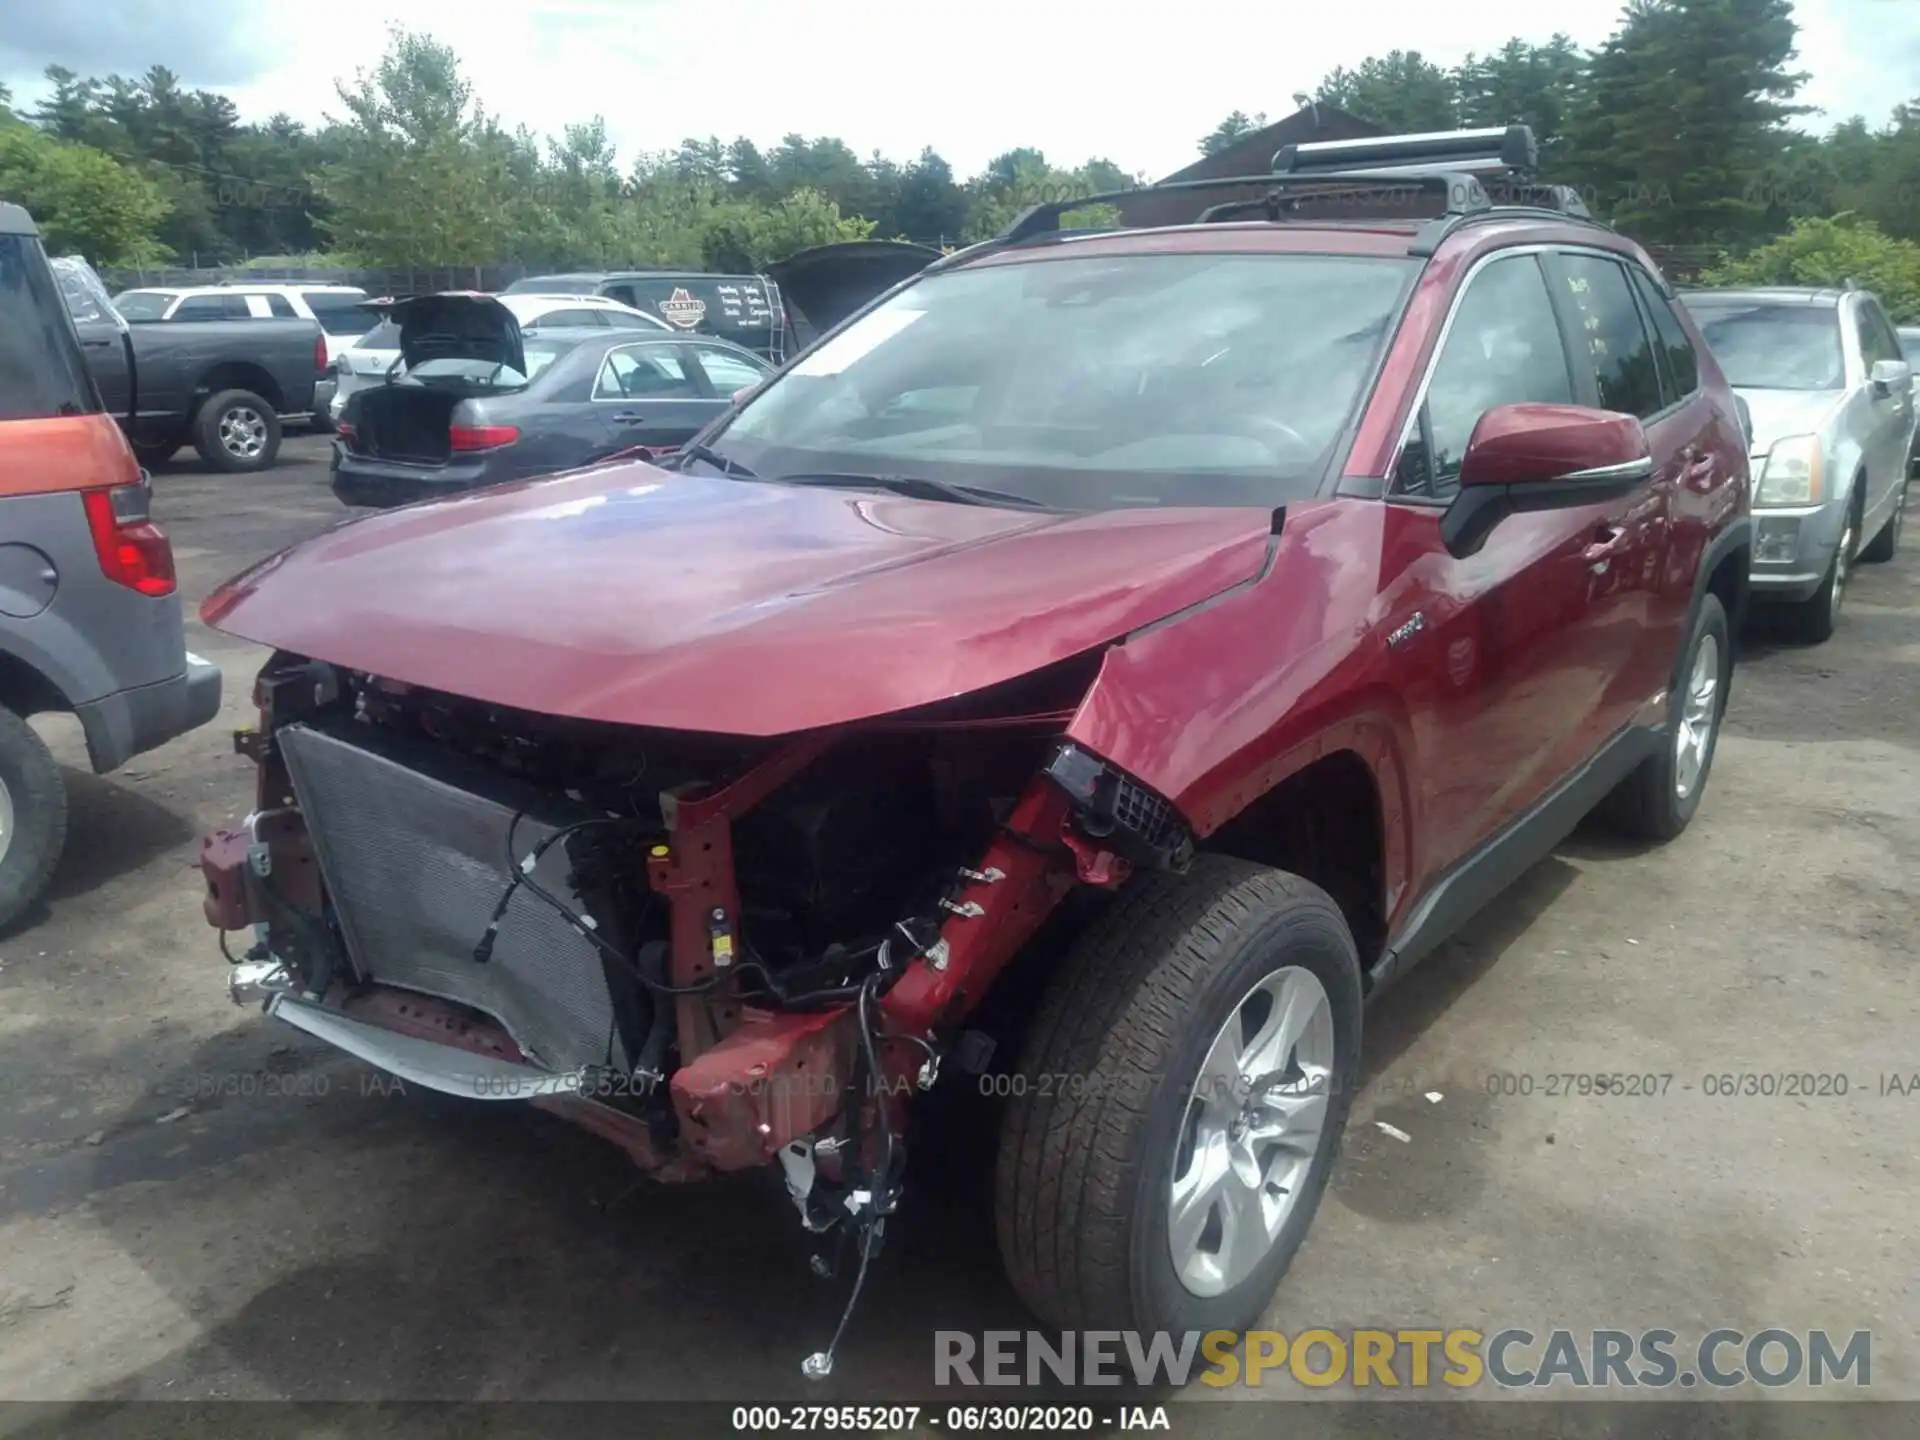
{"points": [[1473, 171]]}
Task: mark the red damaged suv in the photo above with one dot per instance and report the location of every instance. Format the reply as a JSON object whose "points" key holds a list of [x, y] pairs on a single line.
{"points": [[1194, 624]]}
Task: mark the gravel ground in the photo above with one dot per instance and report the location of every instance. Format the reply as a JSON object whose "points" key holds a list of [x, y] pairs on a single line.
{"points": [[193, 1204]]}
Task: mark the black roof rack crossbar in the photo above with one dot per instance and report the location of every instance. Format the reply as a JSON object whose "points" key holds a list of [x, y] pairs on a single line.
{"points": [[1463, 193]]}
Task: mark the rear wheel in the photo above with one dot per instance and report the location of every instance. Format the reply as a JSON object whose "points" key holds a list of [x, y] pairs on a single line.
{"points": [[33, 817], [1882, 547], [1179, 1102], [236, 431], [1657, 801]]}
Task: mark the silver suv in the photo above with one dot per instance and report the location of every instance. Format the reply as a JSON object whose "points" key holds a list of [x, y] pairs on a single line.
{"points": [[1831, 396]]}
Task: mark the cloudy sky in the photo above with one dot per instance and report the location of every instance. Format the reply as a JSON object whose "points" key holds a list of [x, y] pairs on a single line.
{"points": [[970, 79]]}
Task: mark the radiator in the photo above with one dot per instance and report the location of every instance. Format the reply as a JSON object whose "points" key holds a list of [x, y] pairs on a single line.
{"points": [[412, 844]]}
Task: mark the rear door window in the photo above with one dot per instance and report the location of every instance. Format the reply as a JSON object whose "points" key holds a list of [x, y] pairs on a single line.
{"points": [[645, 372], [1609, 335], [280, 308], [41, 372], [727, 371]]}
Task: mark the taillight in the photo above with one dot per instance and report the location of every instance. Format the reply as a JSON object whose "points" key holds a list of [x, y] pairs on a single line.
{"points": [[320, 362], [133, 550], [467, 438], [344, 430]]}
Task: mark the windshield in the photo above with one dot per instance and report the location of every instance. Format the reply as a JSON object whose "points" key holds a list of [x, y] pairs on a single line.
{"points": [[1762, 346], [142, 304], [384, 336], [1092, 383]]}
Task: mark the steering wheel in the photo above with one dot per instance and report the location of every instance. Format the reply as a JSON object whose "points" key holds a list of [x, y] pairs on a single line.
{"points": [[1268, 431]]}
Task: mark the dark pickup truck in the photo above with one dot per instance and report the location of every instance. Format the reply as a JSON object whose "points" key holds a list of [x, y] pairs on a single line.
{"points": [[222, 386]]}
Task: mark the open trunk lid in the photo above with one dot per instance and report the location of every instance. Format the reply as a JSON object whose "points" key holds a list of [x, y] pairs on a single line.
{"points": [[457, 325], [824, 285]]}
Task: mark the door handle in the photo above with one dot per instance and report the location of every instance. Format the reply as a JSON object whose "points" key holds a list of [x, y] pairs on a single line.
{"points": [[1608, 541], [98, 344], [629, 417]]}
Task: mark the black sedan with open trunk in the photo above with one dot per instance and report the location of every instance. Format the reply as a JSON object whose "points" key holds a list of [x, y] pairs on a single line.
{"points": [[475, 402]]}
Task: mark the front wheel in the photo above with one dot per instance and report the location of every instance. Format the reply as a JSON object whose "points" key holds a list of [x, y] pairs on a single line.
{"points": [[1177, 1108], [1813, 620], [1886, 544], [236, 431]]}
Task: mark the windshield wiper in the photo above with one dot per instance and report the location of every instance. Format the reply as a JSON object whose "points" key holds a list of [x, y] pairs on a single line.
{"points": [[694, 450], [918, 487]]}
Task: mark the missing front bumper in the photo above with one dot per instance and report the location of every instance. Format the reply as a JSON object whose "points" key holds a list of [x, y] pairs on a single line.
{"points": [[426, 1063]]}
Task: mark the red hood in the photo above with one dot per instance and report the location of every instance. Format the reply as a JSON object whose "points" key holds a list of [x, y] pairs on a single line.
{"points": [[634, 595]]}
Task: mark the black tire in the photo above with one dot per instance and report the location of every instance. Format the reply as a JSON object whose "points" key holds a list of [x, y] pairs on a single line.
{"points": [[155, 454], [36, 800], [210, 420], [1883, 546], [1812, 621], [1091, 1134], [1649, 803]]}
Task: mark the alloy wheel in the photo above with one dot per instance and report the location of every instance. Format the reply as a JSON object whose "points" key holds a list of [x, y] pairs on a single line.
{"points": [[1699, 713], [1252, 1128], [243, 432]]}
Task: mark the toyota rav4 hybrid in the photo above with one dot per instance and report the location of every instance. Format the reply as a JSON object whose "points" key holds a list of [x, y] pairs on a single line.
{"points": [[1189, 627]]}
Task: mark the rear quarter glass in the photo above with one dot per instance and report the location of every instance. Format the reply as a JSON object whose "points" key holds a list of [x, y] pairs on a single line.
{"points": [[42, 373], [54, 434]]}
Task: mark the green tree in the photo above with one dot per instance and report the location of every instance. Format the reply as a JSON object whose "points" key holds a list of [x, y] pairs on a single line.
{"points": [[1830, 251], [743, 237], [1402, 91], [422, 172], [1685, 110], [1230, 131], [84, 201], [1540, 86]]}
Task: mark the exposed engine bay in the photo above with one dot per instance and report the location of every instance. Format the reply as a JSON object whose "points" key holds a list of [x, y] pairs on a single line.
{"points": [[718, 952]]}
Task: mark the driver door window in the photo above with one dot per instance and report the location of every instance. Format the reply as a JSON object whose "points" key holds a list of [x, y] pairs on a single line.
{"points": [[1502, 348]]}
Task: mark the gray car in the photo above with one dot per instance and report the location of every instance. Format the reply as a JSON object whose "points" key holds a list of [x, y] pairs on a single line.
{"points": [[90, 618], [477, 401], [1830, 392]]}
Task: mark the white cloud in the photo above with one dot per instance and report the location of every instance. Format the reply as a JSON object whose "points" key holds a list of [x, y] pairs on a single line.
{"points": [[1074, 78]]}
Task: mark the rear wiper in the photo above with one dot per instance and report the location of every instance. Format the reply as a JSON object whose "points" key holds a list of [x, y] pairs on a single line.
{"points": [[694, 450], [918, 487]]}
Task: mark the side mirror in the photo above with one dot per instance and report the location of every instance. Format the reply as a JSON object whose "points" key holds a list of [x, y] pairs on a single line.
{"points": [[1541, 457], [1890, 376]]}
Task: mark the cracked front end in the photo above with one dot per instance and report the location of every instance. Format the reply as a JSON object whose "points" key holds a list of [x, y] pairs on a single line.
{"points": [[716, 952]]}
